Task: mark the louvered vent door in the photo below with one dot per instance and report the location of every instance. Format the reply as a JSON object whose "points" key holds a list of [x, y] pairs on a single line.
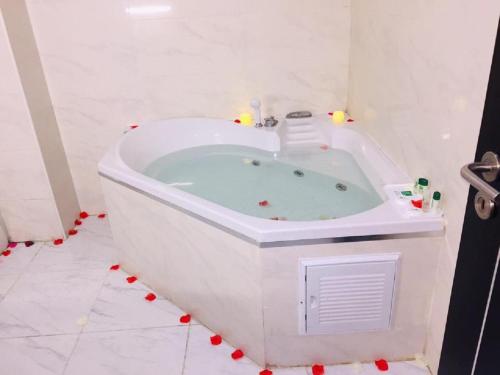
{"points": [[349, 295]]}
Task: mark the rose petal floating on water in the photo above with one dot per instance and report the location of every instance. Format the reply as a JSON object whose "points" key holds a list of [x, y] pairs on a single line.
{"points": [[114, 267]]}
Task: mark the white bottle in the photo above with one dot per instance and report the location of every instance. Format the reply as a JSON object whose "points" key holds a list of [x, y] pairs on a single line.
{"points": [[435, 206]]}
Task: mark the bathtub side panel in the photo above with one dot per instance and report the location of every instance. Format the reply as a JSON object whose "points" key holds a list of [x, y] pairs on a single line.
{"points": [[214, 276], [413, 295]]}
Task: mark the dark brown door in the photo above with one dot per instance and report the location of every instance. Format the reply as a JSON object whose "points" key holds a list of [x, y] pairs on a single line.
{"points": [[472, 339]]}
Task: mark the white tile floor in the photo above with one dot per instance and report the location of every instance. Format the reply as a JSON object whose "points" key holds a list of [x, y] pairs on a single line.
{"points": [[62, 311]]}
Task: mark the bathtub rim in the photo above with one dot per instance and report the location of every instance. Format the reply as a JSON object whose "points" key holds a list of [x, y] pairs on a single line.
{"points": [[383, 220]]}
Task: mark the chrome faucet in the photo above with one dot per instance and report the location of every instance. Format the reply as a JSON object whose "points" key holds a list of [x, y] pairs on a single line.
{"points": [[270, 122]]}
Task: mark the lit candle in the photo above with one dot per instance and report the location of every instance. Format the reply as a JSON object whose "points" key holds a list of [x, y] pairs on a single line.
{"points": [[338, 117], [246, 119]]}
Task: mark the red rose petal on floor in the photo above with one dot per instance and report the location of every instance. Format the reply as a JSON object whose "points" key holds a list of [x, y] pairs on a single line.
{"points": [[266, 372], [78, 222], [134, 126], [237, 354], [12, 245], [28, 243], [417, 203], [237, 121], [350, 120], [6, 253], [216, 340], [318, 369], [58, 241], [114, 267], [84, 215], [150, 297], [101, 216], [72, 232], [131, 279], [263, 203], [382, 364], [185, 318], [330, 113]]}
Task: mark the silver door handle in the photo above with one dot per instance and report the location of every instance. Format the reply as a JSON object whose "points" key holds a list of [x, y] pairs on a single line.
{"points": [[489, 167]]}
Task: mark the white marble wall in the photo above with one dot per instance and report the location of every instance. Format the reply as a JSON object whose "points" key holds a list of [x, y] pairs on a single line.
{"points": [[108, 66], [27, 205], [418, 79]]}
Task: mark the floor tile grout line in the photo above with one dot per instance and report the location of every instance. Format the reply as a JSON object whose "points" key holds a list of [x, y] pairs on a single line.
{"points": [[37, 336], [69, 269], [186, 350], [17, 277], [82, 332], [20, 273], [137, 328], [72, 351], [98, 292]]}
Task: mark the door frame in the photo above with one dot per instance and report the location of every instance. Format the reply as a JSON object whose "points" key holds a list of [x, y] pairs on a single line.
{"points": [[474, 284]]}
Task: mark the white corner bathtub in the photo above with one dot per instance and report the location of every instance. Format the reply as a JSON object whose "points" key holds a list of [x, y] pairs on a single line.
{"points": [[237, 272], [128, 158]]}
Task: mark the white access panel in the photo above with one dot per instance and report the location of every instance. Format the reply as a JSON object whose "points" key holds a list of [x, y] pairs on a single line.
{"points": [[349, 293]]}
